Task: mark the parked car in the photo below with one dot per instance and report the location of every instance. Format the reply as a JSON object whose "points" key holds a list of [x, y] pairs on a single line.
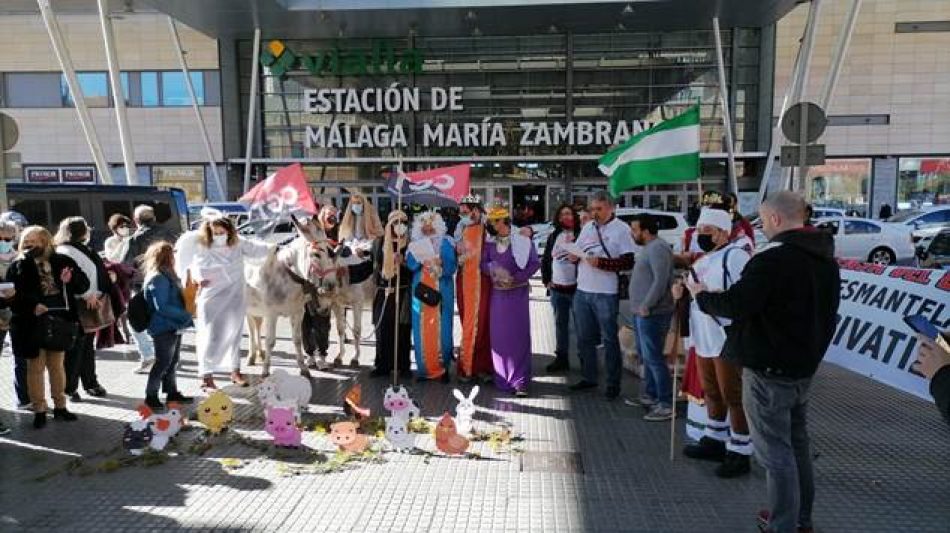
{"points": [[924, 223], [934, 252], [541, 233], [869, 240], [236, 211], [672, 225], [826, 212], [47, 204]]}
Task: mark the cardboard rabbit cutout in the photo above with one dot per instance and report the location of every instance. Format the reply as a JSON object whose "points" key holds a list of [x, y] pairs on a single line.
{"points": [[216, 412], [465, 410]]}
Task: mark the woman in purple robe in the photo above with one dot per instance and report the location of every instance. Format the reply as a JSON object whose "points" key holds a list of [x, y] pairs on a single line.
{"points": [[510, 259]]}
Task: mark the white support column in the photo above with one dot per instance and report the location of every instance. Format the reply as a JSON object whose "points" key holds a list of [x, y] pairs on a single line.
{"points": [[841, 50], [125, 136], [801, 89], [252, 108], [792, 92], [724, 105], [65, 62], [194, 105]]}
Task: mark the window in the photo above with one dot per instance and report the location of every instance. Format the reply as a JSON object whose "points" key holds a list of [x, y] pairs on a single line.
{"points": [[937, 218], [149, 81], [35, 211], [665, 222], [26, 89], [60, 209], [856, 227], [163, 211], [830, 227], [840, 184], [175, 92], [112, 207], [94, 87], [941, 244], [923, 182]]}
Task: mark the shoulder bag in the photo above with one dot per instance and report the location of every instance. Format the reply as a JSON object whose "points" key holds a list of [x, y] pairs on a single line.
{"points": [[190, 295], [623, 278], [55, 333], [427, 295]]}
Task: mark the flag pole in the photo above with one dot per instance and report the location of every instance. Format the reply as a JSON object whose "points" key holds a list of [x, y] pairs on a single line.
{"points": [[396, 307]]}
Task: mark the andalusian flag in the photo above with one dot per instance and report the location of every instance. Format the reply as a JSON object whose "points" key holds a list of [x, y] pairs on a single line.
{"points": [[666, 153]]}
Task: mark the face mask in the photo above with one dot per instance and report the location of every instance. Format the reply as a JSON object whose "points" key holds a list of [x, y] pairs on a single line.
{"points": [[331, 221], [400, 229], [705, 242], [567, 223], [124, 232], [220, 240], [466, 220], [6, 247], [33, 252], [357, 209]]}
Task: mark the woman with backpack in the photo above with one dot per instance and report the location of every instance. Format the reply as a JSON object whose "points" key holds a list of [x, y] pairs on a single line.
{"points": [[44, 320], [168, 317]]}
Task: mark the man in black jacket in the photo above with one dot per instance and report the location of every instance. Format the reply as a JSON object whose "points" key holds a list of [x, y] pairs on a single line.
{"points": [[783, 311], [933, 361]]}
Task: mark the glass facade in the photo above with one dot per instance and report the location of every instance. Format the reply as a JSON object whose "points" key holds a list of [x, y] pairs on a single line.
{"points": [[923, 182], [645, 77], [140, 88], [840, 183]]}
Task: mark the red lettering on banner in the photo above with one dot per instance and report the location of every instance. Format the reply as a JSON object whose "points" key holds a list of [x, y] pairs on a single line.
{"points": [[858, 266], [914, 275], [944, 283]]}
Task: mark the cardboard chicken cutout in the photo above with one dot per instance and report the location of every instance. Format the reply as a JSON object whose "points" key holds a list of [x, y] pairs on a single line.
{"points": [[216, 412], [447, 439]]}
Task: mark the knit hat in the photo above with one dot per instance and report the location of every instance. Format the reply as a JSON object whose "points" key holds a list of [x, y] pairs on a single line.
{"points": [[716, 218]]}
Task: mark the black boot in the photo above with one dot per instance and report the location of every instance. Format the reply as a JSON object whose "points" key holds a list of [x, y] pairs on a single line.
{"points": [[559, 365], [178, 397], [63, 414], [154, 403], [706, 449], [39, 420], [734, 465]]}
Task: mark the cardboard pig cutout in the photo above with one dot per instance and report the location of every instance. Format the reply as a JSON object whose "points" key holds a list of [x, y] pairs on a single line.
{"points": [[346, 436], [282, 425], [216, 412]]}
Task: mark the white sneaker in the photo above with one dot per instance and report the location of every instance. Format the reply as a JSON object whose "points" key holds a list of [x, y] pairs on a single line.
{"points": [[659, 414], [145, 367]]}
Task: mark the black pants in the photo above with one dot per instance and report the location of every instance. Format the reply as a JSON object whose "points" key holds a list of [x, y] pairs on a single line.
{"points": [[81, 363], [316, 332], [387, 331]]}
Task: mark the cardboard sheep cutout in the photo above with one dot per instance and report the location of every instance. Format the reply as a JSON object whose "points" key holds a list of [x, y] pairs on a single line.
{"points": [[284, 390]]}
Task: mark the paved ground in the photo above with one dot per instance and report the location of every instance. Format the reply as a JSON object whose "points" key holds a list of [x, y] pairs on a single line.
{"points": [[587, 465]]}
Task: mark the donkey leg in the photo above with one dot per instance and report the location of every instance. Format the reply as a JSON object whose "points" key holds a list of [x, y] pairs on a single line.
{"points": [[296, 321], [357, 333], [339, 312], [253, 338], [270, 326]]}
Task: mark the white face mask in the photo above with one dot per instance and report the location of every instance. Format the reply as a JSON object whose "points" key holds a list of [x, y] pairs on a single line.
{"points": [[220, 240], [400, 229], [124, 231], [357, 209]]}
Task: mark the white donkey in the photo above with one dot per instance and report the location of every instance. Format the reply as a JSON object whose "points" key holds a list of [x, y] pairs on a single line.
{"points": [[355, 296], [291, 278]]}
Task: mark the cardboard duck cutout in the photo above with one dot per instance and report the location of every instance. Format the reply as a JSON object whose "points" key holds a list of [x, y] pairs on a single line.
{"points": [[216, 412]]}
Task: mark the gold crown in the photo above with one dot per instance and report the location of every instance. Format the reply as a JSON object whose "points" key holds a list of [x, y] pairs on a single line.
{"points": [[496, 213]]}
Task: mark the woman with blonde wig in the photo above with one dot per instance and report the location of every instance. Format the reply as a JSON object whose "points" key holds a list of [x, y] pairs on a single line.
{"points": [[389, 254]]}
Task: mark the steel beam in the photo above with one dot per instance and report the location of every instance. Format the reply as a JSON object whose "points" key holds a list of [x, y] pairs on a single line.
{"points": [[252, 108], [724, 105], [118, 97]]}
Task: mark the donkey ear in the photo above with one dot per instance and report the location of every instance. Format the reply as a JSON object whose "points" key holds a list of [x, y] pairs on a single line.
{"points": [[474, 393], [458, 395]]}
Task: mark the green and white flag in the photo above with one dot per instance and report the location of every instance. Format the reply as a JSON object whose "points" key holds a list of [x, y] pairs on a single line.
{"points": [[665, 153]]}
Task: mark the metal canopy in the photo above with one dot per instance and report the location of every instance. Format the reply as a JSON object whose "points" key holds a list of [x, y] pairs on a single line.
{"points": [[310, 19]]}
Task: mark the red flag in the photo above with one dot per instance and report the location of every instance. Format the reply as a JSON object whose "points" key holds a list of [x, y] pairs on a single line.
{"points": [[452, 181], [285, 191]]}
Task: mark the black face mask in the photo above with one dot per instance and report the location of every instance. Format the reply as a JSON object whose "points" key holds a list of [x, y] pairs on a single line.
{"points": [[705, 242]]}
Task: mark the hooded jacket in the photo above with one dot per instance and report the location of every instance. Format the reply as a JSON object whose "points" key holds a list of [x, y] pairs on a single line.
{"points": [[784, 308]]}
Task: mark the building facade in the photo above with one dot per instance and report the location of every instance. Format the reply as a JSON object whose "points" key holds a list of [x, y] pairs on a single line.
{"points": [[530, 101]]}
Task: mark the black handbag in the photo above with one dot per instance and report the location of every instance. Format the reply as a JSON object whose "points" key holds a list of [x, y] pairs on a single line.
{"points": [[56, 334], [427, 295]]}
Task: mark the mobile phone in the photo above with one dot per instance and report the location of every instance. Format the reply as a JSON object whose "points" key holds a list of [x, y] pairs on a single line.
{"points": [[921, 325], [693, 275], [6, 286]]}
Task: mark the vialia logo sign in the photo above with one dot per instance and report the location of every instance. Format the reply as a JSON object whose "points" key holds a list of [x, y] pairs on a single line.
{"points": [[380, 59]]}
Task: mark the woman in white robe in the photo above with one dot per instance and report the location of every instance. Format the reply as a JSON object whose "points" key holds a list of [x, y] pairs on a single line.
{"points": [[214, 256]]}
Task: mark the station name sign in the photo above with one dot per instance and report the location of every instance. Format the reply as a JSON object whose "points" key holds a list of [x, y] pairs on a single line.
{"points": [[336, 102]]}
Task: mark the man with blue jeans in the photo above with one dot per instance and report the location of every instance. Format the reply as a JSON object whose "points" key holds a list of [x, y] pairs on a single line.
{"points": [[652, 307], [607, 249], [784, 313]]}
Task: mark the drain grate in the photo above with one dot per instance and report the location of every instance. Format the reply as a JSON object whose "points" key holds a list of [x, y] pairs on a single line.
{"points": [[554, 462]]}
